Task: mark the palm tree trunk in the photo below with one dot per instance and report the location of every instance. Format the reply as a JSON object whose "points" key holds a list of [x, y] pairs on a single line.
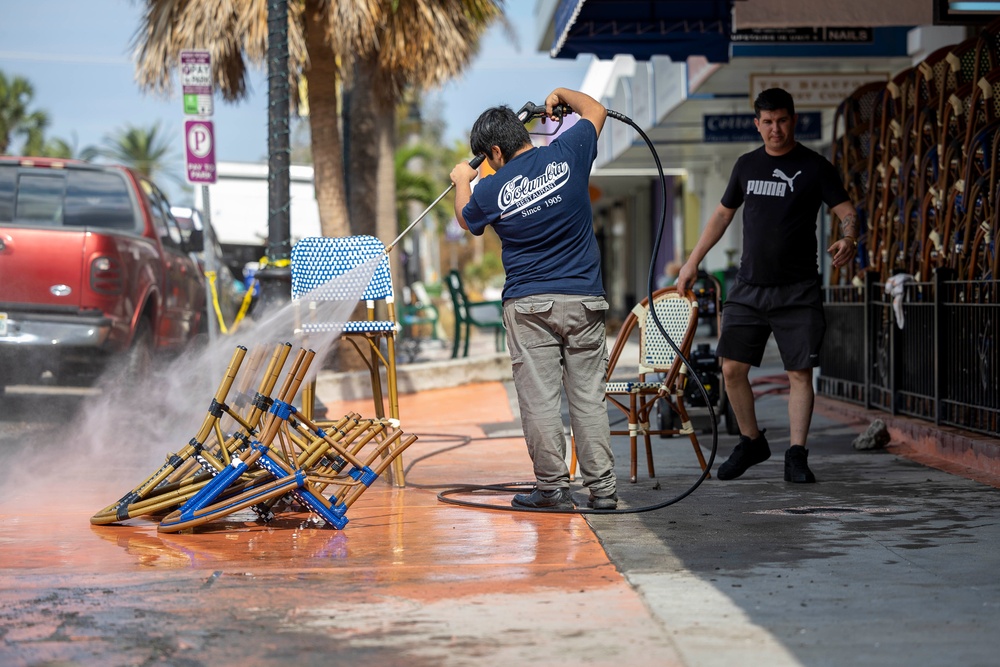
{"points": [[327, 147], [387, 222], [362, 148], [371, 157]]}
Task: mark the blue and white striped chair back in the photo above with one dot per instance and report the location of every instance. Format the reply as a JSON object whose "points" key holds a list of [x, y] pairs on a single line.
{"points": [[318, 260]]}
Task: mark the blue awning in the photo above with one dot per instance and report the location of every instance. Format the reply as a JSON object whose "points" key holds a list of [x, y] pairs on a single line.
{"points": [[674, 28]]}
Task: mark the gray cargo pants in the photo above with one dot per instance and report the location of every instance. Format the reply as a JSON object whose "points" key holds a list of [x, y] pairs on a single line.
{"points": [[556, 341]]}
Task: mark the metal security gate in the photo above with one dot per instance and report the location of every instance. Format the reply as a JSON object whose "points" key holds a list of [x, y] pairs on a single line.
{"points": [[925, 350]]}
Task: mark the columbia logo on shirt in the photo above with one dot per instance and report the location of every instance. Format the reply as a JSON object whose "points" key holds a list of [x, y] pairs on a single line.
{"points": [[526, 196], [773, 188]]}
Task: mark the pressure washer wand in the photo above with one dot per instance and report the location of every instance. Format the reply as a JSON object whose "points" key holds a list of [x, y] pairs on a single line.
{"points": [[474, 163]]}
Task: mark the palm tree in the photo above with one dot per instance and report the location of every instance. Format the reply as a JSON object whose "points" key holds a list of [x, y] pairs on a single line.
{"points": [[146, 150], [423, 44], [15, 117], [414, 186], [58, 147], [236, 36], [383, 46]]}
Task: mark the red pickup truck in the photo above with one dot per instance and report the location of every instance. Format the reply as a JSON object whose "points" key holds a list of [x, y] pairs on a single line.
{"points": [[93, 268]]}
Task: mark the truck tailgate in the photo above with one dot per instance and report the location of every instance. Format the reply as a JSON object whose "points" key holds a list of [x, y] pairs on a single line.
{"points": [[41, 268]]}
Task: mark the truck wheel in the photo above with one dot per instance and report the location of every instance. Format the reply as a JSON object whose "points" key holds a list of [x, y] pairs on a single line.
{"points": [[137, 364]]}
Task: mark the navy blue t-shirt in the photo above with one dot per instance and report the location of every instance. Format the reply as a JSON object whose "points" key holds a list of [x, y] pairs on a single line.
{"points": [[539, 206], [781, 196]]}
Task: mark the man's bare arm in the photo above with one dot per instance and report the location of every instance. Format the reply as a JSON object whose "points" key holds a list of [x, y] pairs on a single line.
{"points": [[716, 227]]}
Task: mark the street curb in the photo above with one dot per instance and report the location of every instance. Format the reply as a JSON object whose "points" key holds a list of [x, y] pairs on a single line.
{"points": [[412, 378], [953, 450]]}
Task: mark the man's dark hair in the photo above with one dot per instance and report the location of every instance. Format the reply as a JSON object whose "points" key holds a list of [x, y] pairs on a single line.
{"points": [[773, 99], [498, 126]]}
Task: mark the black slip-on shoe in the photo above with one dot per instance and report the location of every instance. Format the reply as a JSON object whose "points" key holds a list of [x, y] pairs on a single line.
{"points": [[747, 453], [603, 502], [797, 466], [559, 499]]}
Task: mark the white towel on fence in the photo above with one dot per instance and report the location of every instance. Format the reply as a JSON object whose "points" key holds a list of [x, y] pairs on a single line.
{"points": [[895, 286]]}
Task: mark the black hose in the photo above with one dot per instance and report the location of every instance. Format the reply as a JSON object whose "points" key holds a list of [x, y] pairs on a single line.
{"points": [[444, 496]]}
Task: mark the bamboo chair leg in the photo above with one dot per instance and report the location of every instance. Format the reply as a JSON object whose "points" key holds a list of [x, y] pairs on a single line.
{"points": [[686, 421], [633, 426], [119, 511], [644, 409], [308, 398], [649, 454], [396, 475]]}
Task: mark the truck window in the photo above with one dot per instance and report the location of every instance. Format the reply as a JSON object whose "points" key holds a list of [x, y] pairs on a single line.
{"points": [[39, 199], [6, 194], [98, 199], [169, 234]]}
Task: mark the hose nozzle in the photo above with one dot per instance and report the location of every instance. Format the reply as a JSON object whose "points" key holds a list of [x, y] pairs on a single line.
{"points": [[530, 110]]}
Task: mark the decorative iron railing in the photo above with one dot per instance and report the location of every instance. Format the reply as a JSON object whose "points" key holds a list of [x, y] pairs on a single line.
{"points": [[923, 349]]}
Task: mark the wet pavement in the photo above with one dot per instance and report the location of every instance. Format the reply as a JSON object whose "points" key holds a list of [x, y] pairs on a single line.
{"points": [[885, 561]]}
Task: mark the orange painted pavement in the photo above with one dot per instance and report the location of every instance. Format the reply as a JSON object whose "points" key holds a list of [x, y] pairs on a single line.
{"points": [[408, 577]]}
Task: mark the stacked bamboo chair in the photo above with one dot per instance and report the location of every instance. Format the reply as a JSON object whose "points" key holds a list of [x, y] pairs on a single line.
{"points": [[919, 157], [259, 453]]}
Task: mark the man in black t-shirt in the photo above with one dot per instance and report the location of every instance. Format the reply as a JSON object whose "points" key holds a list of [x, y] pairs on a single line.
{"points": [[781, 186]]}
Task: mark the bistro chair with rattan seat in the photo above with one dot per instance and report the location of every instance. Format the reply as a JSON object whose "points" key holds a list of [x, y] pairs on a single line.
{"points": [[660, 374]]}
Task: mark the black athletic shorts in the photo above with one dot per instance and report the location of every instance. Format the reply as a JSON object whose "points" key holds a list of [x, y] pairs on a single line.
{"points": [[794, 313]]}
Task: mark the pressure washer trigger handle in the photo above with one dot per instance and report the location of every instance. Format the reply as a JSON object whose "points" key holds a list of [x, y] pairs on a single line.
{"points": [[530, 110], [476, 161], [562, 110]]}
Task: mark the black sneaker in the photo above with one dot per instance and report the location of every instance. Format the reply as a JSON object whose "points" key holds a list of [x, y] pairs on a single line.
{"points": [[797, 465], [747, 453], [603, 502], [558, 499]]}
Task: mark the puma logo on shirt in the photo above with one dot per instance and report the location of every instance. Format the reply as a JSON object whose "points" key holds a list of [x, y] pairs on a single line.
{"points": [[773, 188], [780, 174]]}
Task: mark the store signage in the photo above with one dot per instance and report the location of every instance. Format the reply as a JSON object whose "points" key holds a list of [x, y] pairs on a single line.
{"points": [[815, 89], [824, 35], [739, 127]]}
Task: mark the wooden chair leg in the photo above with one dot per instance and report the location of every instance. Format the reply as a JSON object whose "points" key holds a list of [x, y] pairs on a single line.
{"points": [[686, 421], [644, 410], [633, 426]]}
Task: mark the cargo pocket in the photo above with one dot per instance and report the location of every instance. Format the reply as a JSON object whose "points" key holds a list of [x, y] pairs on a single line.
{"points": [[526, 320], [589, 333]]}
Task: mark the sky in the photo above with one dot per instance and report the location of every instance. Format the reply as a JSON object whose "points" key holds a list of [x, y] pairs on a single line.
{"points": [[77, 56]]}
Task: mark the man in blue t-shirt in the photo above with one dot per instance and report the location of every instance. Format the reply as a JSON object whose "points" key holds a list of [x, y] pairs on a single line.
{"points": [[538, 202], [781, 186]]}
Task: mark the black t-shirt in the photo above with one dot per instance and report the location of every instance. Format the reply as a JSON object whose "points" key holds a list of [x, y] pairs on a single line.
{"points": [[781, 197]]}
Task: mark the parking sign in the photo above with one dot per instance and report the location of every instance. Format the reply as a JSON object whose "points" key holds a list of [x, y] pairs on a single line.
{"points": [[196, 82], [199, 151]]}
